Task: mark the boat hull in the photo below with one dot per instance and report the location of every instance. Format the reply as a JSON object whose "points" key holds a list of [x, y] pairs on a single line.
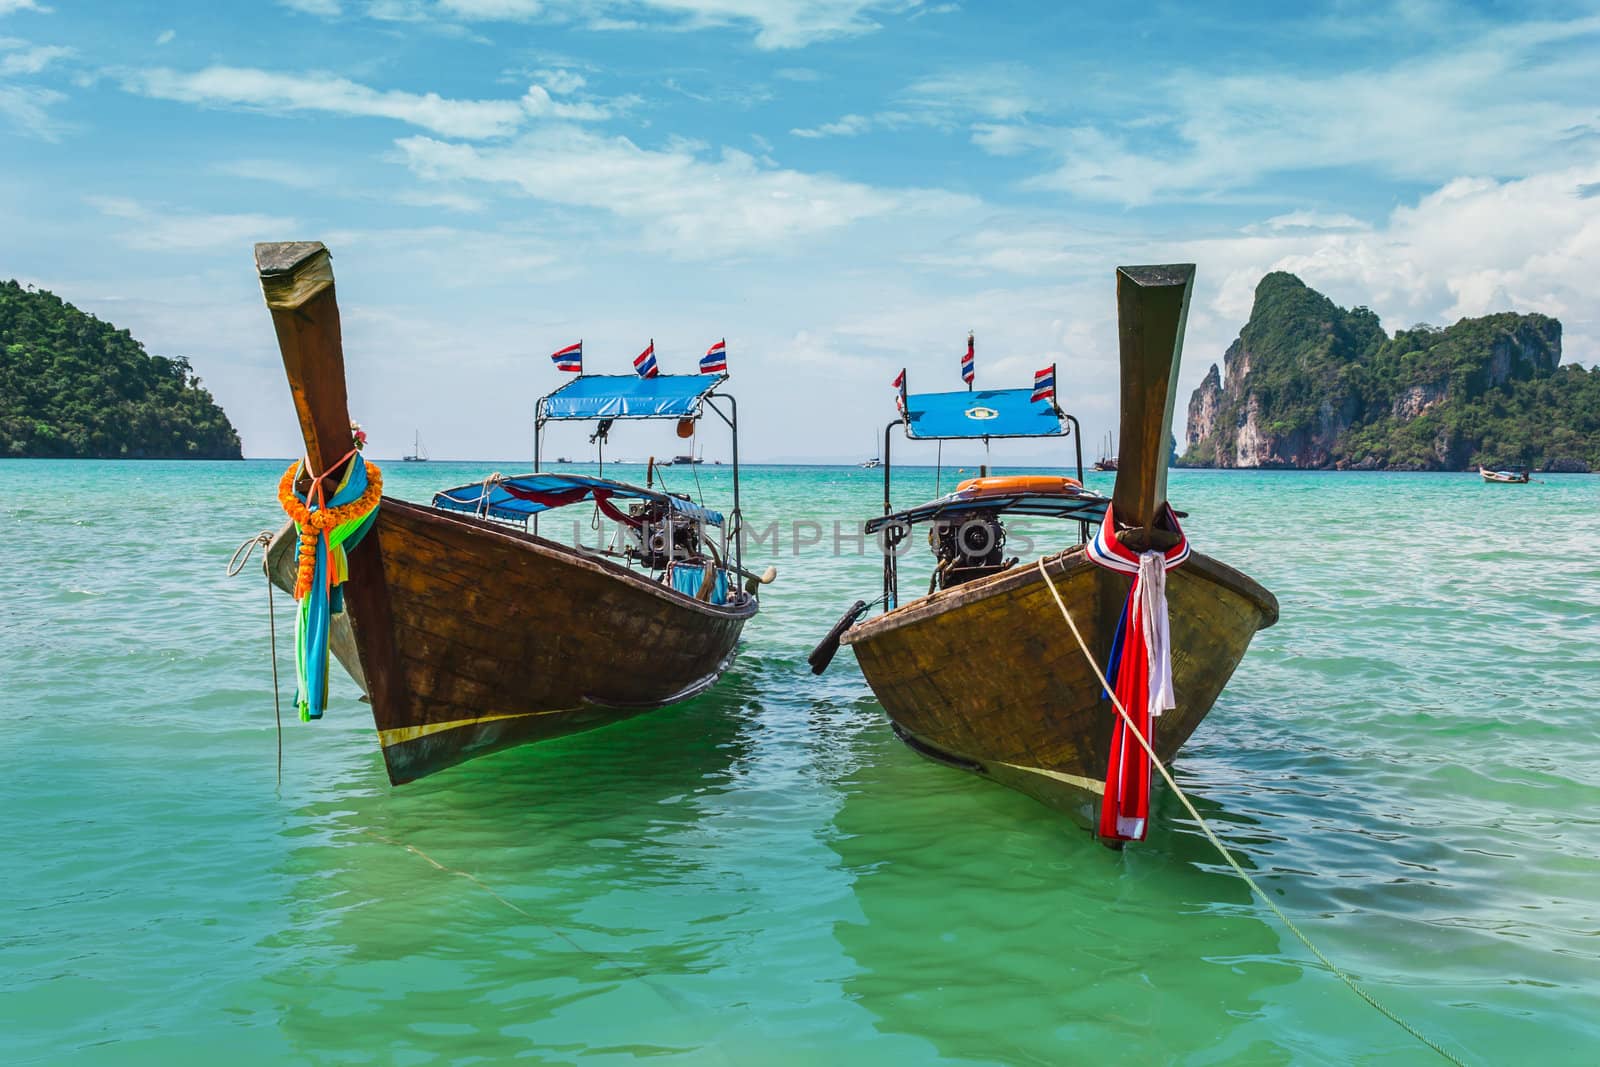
{"points": [[493, 637], [986, 676]]}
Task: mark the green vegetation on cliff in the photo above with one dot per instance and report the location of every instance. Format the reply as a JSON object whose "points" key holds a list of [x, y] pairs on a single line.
{"points": [[1309, 384], [72, 386]]}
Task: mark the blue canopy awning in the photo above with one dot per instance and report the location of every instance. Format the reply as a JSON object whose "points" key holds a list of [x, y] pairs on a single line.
{"points": [[628, 396], [526, 495], [980, 413]]}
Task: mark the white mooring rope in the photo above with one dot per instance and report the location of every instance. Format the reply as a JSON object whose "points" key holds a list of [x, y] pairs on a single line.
{"points": [[1212, 837]]}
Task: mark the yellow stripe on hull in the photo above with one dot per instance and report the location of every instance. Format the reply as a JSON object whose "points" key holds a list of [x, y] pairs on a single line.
{"points": [[401, 734], [1089, 784]]}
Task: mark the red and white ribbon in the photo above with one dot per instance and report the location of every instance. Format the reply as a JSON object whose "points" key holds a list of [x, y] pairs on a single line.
{"points": [[1144, 673]]}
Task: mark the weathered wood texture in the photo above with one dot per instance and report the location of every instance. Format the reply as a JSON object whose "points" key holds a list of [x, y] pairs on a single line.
{"points": [[514, 639], [466, 636], [1152, 309], [988, 672]]}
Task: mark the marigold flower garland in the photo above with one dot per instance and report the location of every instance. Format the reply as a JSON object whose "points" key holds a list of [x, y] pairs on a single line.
{"points": [[315, 524]]}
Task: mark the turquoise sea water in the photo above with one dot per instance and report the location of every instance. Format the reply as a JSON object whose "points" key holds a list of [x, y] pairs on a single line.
{"points": [[1408, 762]]}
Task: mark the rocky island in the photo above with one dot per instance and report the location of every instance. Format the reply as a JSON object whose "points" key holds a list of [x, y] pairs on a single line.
{"points": [[1311, 385], [72, 386]]}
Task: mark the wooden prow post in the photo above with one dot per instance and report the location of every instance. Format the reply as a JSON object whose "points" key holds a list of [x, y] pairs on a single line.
{"points": [[297, 280], [1152, 308]]}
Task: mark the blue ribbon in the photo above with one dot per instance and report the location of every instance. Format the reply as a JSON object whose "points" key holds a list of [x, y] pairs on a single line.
{"points": [[318, 608]]}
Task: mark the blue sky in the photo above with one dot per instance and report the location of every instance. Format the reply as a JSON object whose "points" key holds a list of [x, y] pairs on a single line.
{"points": [[839, 187]]}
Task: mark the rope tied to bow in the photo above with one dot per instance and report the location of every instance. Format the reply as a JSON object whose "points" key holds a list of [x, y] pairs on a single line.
{"points": [[329, 525], [1141, 670]]}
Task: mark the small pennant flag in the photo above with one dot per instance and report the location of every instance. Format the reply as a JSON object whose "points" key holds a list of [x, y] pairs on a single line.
{"points": [[569, 358], [968, 362], [644, 364], [1044, 384], [715, 361], [899, 385]]}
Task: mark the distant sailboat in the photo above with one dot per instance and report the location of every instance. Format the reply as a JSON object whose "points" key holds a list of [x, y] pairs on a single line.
{"points": [[874, 462], [418, 453], [1107, 461]]}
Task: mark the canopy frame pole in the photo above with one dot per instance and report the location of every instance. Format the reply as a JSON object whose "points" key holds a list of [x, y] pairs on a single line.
{"points": [[737, 518], [891, 573], [1077, 441], [538, 432]]}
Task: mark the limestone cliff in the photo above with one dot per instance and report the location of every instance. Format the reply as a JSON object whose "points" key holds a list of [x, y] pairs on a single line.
{"points": [[1308, 384]]}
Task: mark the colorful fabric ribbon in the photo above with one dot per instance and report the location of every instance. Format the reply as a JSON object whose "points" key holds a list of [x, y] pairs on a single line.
{"points": [[1141, 672], [329, 527]]}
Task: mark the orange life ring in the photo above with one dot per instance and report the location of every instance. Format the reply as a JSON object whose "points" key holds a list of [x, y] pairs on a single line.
{"points": [[1010, 485]]}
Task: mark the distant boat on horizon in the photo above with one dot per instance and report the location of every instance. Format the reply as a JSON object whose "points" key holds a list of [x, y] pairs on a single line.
{"points": [[1508, 476], [1107, 461], [418, 453]]}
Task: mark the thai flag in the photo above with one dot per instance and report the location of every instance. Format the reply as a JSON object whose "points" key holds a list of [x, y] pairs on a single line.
{"points": [[899, 385], [644, 364], [715, 361], [569, 358], [1044, 384], [968, 362]]}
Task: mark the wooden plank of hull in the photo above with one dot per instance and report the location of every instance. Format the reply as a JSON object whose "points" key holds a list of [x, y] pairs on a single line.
{"points": [[987, 677], [504, 638]]}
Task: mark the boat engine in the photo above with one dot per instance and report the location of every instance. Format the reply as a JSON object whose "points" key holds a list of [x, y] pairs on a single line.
{"points": [[968, 549], [662, 535]]}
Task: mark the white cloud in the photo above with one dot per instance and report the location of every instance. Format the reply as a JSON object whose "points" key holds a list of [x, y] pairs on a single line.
{"points": [[777, 23], [471, 119], [269, 91], [154, 230], [998, 93], [166, 37], [983, 96], [540, 104], [561, 82], [1513, 100], [694, 205], [784, 23], [7, 7], [1308, 220], [29, 110], [847, 126], [298, 176], [1473, 246], [324, 8], [21, 57], [492, 10]]}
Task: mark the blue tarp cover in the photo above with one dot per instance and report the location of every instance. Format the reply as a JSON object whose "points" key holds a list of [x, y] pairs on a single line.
{"points": [[628, 396], [980, 413], [686, 578], [542, 492]]}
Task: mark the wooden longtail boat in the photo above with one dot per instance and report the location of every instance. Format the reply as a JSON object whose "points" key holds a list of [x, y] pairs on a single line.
{"points": [[1511, 476], [469, 635], [982, 673]]}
